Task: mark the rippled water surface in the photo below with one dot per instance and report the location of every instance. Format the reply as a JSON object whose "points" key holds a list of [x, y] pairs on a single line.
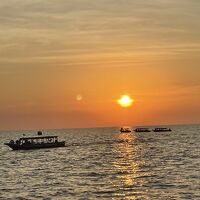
{"points": [[103, 163]]}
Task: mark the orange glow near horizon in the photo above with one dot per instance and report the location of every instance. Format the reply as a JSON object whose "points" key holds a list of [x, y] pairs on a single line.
{"points": [[114, 69]]}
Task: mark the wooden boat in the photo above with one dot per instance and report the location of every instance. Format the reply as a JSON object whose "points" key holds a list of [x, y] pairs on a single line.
{"points": [[142, 130], [125, 130], [161, 130], [26, 143]]}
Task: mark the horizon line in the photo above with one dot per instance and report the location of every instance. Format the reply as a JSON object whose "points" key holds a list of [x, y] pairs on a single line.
{"points": [[95, 127]]}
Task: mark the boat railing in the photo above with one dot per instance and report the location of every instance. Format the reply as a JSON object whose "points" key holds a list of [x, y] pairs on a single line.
{"points": [[36, 140]]}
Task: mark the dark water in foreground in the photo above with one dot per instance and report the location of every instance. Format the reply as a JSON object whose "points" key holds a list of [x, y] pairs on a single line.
{"points": [[105, 164]]}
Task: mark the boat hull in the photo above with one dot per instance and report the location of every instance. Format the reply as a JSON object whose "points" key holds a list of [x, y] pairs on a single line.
{"points": [[126, 131], [142, 131], [35, 146]]}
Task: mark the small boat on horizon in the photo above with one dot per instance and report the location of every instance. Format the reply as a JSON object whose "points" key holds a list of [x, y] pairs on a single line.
{"points": [[125, 130], [142, 130], [27, 143], [162, 130]]}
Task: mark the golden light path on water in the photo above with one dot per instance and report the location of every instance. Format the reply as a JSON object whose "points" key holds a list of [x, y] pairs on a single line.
{"points": [[127, 165]]}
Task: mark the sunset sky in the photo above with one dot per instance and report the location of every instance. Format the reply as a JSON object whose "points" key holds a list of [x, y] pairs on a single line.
{"points": [[65, 63]]}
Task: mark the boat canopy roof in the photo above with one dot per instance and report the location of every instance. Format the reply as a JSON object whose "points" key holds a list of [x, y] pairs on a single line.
{"points": [[43, 137]]}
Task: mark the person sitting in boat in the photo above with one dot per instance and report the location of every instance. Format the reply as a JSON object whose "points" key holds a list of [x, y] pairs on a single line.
{"points": [[17, 142], [39, 132]]}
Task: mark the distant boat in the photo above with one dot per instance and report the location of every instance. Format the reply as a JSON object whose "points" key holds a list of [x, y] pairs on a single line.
{"points": [[26, 143], [161, 130], [142, 130], [125, 130]]}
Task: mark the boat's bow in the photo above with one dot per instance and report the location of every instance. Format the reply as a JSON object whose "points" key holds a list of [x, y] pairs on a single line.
{"points": [[11, 145]]}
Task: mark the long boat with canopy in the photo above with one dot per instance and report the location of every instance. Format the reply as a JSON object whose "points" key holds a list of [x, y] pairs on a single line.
{"points": [[162, 130], [26, 143]]}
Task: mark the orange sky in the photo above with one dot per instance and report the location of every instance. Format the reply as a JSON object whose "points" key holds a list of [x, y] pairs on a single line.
{"points": [[53, 51]]}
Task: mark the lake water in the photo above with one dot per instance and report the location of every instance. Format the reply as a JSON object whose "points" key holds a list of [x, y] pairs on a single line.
{"points": [[102, 163]]}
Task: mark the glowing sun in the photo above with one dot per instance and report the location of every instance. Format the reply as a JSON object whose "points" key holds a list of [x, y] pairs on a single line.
{"points": [[125, 101]]}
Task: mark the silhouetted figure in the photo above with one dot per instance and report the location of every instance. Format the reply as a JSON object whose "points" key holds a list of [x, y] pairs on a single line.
{"points": [[39, 132]]}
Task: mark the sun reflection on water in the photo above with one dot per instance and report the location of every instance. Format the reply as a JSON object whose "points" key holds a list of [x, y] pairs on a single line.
{"points": [[127, 165]]}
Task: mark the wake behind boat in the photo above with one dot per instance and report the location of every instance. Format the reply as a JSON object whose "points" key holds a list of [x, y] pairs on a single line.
{"points": [[26, 143]]}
